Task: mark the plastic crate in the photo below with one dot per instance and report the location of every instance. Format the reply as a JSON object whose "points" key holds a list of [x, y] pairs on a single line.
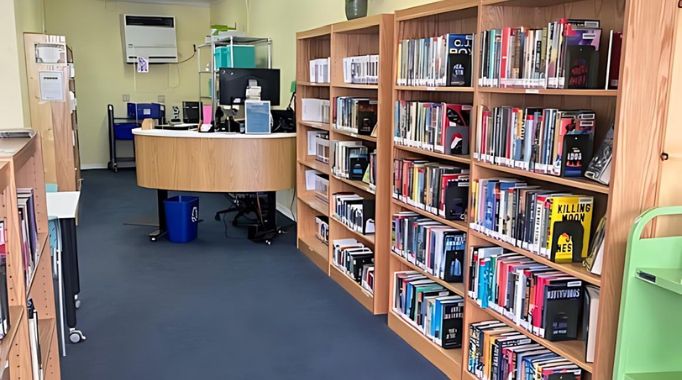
{"points": [[244, 57], [124, 131]]}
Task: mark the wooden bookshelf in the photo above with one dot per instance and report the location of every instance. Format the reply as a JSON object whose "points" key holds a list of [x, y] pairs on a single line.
{"points": [[21, 166], [636, 158], [369, 35]]}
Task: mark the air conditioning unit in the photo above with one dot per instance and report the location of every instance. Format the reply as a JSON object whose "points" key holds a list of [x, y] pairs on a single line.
{"points": [[152, 37]]}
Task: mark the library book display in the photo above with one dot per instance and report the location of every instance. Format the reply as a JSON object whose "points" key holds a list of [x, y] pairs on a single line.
{"points": [[471, 168]]}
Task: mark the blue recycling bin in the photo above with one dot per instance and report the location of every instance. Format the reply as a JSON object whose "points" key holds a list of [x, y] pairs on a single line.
{"points": [[182, 218]]}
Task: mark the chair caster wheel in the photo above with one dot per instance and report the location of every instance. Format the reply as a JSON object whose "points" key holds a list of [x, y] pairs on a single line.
{"points": [[268, 242], [76, 336], [77, 303]]}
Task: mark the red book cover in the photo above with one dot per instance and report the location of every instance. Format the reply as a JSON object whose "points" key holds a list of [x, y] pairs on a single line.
{"points": [[504, 55]]}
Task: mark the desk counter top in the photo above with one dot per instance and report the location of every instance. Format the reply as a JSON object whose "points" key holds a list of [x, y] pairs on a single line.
{"points": [[214, 135]]}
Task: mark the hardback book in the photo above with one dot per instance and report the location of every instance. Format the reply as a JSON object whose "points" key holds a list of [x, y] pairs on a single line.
{"points": [[581, 57], [451, 314], [613, 65], [460, 59], [457, 118], [589, 321], [576, 155], [358, 166], [570, 220], [562, 308], [366, 116], [453, 266], [456, 198], [599, 167]]}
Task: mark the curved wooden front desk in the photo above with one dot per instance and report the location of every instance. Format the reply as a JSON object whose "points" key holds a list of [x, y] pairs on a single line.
{"points": [[214, 162]]}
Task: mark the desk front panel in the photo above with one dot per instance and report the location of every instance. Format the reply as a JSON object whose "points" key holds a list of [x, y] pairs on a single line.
{"points": [[215, 165]]}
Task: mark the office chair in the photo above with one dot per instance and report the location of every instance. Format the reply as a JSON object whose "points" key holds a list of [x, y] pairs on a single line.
{"points": [[263, 226]]}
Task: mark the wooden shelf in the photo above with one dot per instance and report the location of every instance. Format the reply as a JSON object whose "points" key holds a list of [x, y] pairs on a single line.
{"points": [[46, 332], [357, 184], [356, 86], [573, 269], [573, 350], [456, 288], [436, 88], [315, 124], [316, 251], [353, 288], [440, 156], [448, 361], [366, 238], [548, 91], [323, 31], [355, 135], [311, 84], [576, 183], [314, 202], [315, 164], [462, 226], [16, 313]]}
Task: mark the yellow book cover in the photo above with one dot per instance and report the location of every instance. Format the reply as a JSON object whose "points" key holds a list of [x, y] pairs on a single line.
{"points": [[569, 227]]}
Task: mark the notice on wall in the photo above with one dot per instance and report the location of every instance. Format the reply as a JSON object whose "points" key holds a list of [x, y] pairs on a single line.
{"points": [[142, 65], [51, 86]]}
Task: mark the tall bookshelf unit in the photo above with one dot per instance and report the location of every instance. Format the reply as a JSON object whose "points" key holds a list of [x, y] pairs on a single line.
{"points": [[369, 35], [636, 151], [21, 166]]}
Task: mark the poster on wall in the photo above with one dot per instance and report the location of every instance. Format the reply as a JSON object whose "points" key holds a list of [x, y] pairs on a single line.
{"points": [[142, 64], [51, 86]]}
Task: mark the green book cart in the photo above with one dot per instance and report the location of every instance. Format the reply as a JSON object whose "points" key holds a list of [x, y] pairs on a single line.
{"points": [[650, 329]]}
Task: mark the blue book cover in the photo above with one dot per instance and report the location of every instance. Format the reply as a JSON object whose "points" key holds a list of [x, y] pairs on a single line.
{"points": [[490, 204], [459, 59], [483, 283]]}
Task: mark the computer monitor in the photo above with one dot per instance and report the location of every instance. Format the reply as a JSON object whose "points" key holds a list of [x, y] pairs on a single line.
{"points": [[233, 84]]}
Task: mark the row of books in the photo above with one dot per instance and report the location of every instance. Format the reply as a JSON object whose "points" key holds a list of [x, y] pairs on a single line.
{"points": [[542, 300], [356, 261], [496, 351], [361, 69], [564, 54], [438, 127], [547, 141], [318, 145], [316, 110], [350, 159], [429, 308], [435, 248], [322, 228], [4, 296], [356, 115], [370, 176], [555, 225], [440, 189], [320, 71], [436, 61], [317, 183], [356, 212]]}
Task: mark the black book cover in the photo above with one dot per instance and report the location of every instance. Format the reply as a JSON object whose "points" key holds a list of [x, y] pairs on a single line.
{"points": [[367, 215], [452, 322], [456, 199], [358, 166], [366, 116], [563, 300], [459, 59], [457, 129], [357, 261], [577, 154], [582, 66], [455, 246]]}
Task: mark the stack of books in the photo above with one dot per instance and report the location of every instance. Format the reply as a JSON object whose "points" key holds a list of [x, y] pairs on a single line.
{"points": [[437, 61], [437, 127], [356, 261], [435, 248], [547, 141], [361, 69], [564, 54], [356, 212], [356, 115], [555, 225], [496, 351], [542, 300], [315, 110], [429, 308], [320, 71], [442, 190]]}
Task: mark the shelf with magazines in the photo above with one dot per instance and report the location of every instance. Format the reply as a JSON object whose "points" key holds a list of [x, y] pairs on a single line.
{"points": [[357, 99]]}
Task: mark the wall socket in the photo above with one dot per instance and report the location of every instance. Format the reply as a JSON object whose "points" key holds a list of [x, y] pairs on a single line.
{"points": [[125, 98], [162, 99]]}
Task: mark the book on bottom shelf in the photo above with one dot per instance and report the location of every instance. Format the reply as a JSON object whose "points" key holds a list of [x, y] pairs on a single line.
{"points": [[496, 351], [544, 301], [429, 307]]}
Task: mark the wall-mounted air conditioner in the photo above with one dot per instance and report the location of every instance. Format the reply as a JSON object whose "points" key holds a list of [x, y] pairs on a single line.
{"points": [[152, 37]]}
